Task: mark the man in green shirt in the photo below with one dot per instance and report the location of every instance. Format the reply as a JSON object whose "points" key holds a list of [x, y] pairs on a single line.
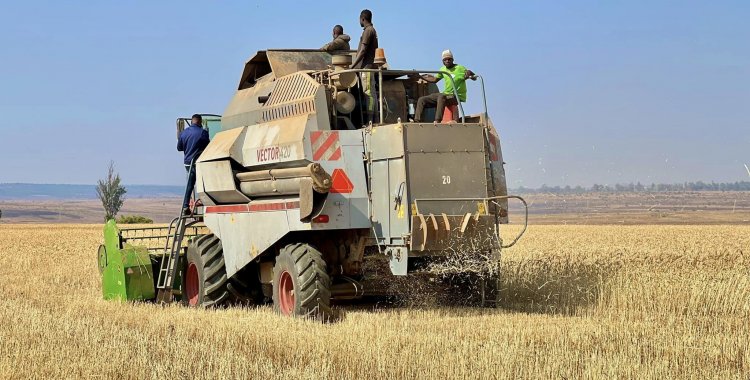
{"points": [[447, 97]]}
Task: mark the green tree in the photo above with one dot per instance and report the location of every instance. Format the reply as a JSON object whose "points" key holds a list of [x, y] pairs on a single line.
{"points": [[111, 193]]}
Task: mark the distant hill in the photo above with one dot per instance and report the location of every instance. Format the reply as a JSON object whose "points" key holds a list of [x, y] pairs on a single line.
{"points": [[28, 191], [32, 191], [638, 188]]}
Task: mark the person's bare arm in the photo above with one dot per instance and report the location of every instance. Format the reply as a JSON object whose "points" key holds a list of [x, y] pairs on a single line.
{"points": [[430, 78], [360, 55], [427, 78]]}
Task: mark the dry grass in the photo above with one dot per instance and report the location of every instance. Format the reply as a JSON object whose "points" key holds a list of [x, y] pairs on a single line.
{"points": [[579, 302]]}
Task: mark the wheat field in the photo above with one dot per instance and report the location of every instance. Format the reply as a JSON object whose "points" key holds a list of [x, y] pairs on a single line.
{"points": [[645, 302]]}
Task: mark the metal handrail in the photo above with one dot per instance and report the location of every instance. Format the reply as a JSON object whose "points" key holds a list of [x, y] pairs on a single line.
{"points": [[155, 241], [125, 232], [484, 98], [525, 218], [407, 72]]}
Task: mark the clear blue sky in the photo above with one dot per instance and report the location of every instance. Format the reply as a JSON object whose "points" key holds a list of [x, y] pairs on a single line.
{"points": [[582, 92]]}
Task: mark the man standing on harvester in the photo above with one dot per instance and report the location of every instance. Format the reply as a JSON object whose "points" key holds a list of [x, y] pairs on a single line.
{"points": [[193, 140], [446, 98], [365, 59]]}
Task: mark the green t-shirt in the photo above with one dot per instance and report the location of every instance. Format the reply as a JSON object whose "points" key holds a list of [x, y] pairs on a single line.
{"points": [[458, 73]]}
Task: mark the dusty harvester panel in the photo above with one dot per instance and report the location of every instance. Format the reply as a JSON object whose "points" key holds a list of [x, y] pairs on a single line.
{"points": [[426, 169]]}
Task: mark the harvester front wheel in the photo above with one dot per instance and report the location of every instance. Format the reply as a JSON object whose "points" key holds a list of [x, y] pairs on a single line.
{"points": [[205, 279], [301, 285]]}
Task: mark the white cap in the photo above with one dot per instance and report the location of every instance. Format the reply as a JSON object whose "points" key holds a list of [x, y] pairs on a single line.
{"points": [[447, 54]]}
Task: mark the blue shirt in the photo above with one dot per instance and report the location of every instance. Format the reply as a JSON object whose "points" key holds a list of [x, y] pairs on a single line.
{"points": [[192, 141]]}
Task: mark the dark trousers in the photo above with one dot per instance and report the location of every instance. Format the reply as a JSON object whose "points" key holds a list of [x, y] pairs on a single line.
{"points": [[190, 186], [438, 101]]}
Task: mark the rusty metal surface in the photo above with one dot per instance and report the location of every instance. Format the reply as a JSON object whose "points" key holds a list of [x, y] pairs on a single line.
{"points": [[497, 174], [285, 62], [255, 68], [293, 95], [444, 233], [446, 161], [246, 235], [277, 173], [394, 95], [223, 145], [291, 88], [443, 138], [271, 187], [386, 141], [245, 107], [321, 181], [217, 180]]}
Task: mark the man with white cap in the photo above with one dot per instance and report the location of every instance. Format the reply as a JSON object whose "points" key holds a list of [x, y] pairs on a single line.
{"points": [[447, 96]]}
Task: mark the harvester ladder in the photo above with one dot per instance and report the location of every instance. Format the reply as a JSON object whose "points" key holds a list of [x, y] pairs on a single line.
{"points": [[172, 247], [168, 267]]}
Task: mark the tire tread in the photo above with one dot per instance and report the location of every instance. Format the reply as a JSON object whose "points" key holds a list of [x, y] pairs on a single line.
{"points": [[313, 282]]}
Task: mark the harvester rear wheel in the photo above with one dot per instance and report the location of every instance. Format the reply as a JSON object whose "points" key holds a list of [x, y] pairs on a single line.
{"points": [[301, 285], [205, 280]]}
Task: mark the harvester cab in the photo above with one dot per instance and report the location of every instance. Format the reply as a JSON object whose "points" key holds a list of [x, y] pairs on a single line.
{"points": [[302, 192], [211, 123]]}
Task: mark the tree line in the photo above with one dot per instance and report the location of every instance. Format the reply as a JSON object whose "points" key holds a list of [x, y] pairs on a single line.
{"points": [[639, 187]]}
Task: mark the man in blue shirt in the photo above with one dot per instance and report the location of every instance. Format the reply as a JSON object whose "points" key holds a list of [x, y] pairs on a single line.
{"points": [[193, 140]]}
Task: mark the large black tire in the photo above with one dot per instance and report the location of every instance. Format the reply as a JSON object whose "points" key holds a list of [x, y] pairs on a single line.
{"points": [[301, 285], [205, 280]]}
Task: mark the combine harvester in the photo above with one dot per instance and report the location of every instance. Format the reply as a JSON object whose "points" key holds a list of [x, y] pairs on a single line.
{"points": [[297, 190]]}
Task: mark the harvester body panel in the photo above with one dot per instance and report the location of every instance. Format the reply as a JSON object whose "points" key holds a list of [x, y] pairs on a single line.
{"points": [[130, 258], [126, 270], [430, 185], [248, 229]]}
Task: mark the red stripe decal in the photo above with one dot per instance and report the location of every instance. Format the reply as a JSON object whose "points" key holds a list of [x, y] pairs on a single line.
{"points": [[273, 206], [336, 154], [227, 208], [252, 207], [327, 144], [315, 135]]}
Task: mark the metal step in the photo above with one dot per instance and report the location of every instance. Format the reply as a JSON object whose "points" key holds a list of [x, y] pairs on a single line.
{"points": [[172, 247]]}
